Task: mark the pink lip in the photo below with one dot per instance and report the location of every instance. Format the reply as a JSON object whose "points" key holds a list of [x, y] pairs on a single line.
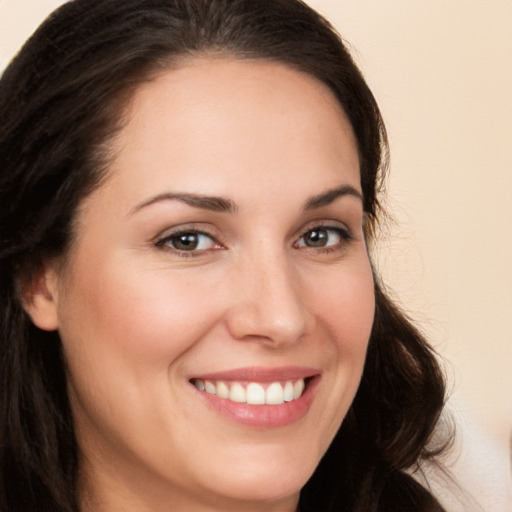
{"points": [[258, 374], [263, 416]]}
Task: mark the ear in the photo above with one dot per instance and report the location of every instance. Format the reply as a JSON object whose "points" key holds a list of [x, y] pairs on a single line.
{"points": [[39, 297]]}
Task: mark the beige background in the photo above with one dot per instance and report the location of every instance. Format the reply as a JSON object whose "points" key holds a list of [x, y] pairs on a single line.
{"points": [[441, 71]]}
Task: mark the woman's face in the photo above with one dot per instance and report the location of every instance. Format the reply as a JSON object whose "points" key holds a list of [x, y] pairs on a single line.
{"points": [[221, 265]]}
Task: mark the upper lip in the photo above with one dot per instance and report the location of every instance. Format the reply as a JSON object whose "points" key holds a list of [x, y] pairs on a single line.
{"points": [[261, 374]]}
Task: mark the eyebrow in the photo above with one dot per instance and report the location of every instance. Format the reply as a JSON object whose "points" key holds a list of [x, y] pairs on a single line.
{"points": [[223, 205], [212, 203], [329, 196]]}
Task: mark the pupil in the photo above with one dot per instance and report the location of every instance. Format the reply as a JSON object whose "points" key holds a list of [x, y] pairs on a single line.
{"points": [[316, 238], [186, 242]]}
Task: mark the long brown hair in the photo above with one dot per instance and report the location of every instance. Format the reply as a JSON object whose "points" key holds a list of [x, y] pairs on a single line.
{"points": [[61, 100]]}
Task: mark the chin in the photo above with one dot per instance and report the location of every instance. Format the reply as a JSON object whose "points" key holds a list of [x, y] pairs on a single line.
{"points": [[268, 474]]}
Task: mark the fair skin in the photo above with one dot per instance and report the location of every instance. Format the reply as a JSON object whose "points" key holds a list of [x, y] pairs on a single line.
{"points": [[266, 281]]}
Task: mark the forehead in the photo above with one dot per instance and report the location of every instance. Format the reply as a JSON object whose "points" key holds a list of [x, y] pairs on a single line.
{"points": [[213, 123]]}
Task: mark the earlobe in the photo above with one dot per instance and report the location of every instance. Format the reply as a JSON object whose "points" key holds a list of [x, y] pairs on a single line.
{"points": [[40, 300]]}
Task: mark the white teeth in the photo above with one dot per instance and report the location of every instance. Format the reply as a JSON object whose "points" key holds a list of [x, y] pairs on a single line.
{"points": [[222, 390], [275, 394], [237, 393], [253, 393], [209, 387], [298, 388], [288, 392]]}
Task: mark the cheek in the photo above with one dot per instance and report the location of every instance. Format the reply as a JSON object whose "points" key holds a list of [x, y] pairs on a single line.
{"points": [[136, 312], [126, 330], [346, 306]]}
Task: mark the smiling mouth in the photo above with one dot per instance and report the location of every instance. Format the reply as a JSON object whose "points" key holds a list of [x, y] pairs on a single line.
{"points": [[254, 393]]}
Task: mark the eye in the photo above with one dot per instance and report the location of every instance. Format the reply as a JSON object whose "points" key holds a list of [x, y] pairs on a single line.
{"points": [[188, 241], [321, 237]]}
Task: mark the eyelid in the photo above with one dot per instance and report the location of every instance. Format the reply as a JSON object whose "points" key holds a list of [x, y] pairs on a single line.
{"points": [[326, 224], [161, 240], [342, 230], [202, 228], [177, 233]]}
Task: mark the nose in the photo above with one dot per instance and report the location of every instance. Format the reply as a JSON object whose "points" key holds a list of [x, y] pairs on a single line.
{"points": [[269, 304]]}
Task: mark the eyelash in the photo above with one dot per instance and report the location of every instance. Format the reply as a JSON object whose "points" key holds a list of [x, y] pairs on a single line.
{"points": [[343, 233], [163, 242]]}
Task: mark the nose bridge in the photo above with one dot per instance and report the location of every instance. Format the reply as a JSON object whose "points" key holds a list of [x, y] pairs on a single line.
{"points": [[269, 303]]}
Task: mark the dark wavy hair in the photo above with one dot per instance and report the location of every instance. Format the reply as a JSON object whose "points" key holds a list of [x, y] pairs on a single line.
{"points": [[62, 99]]}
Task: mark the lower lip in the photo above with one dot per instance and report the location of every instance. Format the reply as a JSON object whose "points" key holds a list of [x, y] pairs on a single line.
{"points": [[263, 416]]}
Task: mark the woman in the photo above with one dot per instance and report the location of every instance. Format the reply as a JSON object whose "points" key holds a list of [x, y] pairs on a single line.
{"points": [[190, 317]]}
